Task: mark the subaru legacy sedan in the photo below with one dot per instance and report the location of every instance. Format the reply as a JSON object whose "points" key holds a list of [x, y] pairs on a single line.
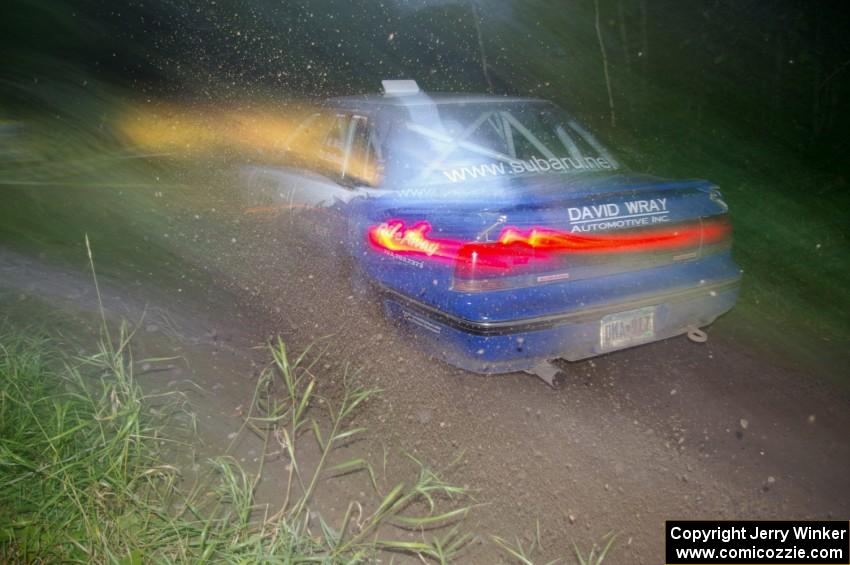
{"points": [[501, 234]]}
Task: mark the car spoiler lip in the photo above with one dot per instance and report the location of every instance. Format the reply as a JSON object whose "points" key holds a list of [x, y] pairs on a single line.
{"points": [[522, 325], [545, 187]]}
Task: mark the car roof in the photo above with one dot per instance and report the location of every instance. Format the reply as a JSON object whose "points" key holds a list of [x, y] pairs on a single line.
{"points": [[378, 100]]}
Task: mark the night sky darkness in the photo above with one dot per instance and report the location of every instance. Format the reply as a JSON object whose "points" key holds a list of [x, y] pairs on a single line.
{"points": [[752, 95], [138, 125], [781, 68]]}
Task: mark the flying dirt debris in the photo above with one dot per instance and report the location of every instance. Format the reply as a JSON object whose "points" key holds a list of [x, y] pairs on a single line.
{"points": [[523, 197], [498, 231]]}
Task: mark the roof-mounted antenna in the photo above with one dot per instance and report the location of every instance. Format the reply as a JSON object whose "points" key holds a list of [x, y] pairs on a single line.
{"points": [[399, 87]]}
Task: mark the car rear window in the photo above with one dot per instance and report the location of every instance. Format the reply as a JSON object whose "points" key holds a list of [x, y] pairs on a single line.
{"points": [[464, 142]]}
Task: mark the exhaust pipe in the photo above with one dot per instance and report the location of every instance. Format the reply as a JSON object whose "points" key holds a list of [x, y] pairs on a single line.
{"points": [[696, 335]]}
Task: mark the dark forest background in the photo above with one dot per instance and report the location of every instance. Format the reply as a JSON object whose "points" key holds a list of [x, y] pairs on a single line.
{"points": [[751, 94], [779, 68]]}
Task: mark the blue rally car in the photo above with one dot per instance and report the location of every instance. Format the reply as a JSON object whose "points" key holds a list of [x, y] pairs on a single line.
{"points": [[503, 234]]}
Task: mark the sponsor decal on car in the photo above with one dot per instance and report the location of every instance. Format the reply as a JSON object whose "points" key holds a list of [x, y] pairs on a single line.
{"points": [[634, 213], [525, 166]]}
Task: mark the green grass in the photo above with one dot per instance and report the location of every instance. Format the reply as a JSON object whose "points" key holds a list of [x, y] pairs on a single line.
{"points": [[85, 478], [81, 476], [597, 554], [524, 553]]}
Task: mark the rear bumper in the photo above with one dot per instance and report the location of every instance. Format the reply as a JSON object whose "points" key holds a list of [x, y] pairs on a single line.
{"points": [[514, 345]]}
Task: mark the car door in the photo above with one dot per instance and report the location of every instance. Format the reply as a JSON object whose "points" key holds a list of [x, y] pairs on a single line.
{"points": [[329, 171], [309, 186], [305, 174], [363, 176], [347, 169]]}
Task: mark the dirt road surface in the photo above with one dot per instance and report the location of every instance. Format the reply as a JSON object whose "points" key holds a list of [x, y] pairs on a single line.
{"points": [[734, 428]]}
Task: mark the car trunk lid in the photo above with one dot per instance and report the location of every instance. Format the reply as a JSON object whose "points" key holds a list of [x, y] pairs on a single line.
{"points": [[550, 228]]}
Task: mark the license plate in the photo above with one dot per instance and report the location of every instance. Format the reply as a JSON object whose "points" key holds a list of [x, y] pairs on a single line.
{"points": [[627, 328]]}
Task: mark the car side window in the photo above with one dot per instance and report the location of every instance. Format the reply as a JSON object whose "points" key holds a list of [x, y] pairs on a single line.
{"points": [[334, 150], [365, 159], [350, 152]]}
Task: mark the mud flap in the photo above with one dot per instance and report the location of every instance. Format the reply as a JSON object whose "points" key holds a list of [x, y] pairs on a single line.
{"points": [[547, 371]]}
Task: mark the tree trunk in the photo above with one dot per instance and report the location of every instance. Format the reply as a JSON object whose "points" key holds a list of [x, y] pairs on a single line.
{"points": [[644, 48], [476, 18], [605, 67]]}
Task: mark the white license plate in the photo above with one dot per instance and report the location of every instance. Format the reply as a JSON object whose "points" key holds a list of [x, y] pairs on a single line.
{"points": [[627, 328]]}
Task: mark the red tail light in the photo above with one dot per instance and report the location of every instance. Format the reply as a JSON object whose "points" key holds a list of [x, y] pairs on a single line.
{"points": [[499, 265], [716, 229], [536, 255]]}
